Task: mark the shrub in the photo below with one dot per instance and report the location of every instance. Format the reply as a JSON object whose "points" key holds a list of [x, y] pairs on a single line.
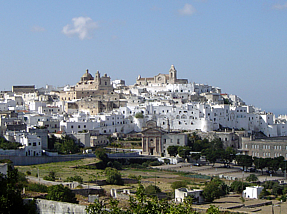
{"points": [[264, 193], [50, 177], [269, 184], [283, 198], [34, 187], [113, 176], [277, 189], [155, 163], [117, 165], [238, 186], [178, 184], [152, 190], [28, 173], [137, 166], [101, 165], [252, 178], [166, 161], [75, 178], [114, 164], [214, 189], [61, 193], [139, 115]]}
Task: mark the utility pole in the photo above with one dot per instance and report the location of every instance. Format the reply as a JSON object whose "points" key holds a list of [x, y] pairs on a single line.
{"points": [[38, 176], [285, 170]]}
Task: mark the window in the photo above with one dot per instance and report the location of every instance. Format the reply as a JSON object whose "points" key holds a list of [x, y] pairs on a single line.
{"points": [[34, 144], [72, 127]]}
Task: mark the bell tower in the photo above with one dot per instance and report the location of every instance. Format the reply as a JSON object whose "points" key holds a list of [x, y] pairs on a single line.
{"points": [[172, 75]]}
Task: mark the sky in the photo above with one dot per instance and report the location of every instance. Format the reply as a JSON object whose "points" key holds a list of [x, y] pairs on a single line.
{"points": [[238, 46]]}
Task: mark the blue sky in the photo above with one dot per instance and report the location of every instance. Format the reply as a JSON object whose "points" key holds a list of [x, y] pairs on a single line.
{"points": [[239, 46]]}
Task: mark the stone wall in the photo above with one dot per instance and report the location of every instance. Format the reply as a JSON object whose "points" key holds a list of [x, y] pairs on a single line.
{"points": [[47, 206]]}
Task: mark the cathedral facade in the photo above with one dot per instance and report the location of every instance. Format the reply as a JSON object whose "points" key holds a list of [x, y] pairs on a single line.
{"points": [[170, 78]]}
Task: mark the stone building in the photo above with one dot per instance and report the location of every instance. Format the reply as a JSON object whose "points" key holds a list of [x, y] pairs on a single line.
{"points": [[265, 147], [88, 86], [19, 89], [170, 78], [155, 141], [101, 103], [87, 82]]}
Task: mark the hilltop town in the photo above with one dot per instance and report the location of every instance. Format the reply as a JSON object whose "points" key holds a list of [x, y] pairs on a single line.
{"points": [[161, 109], [160, 123]]}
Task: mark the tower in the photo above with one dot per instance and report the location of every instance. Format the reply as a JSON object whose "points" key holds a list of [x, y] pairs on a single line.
{"points": [[172, 74]]}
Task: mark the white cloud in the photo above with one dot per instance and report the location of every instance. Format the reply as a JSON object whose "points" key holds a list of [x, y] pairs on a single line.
{"points": [[187, 10], [37, 29], [81, 27], [279, 6]]}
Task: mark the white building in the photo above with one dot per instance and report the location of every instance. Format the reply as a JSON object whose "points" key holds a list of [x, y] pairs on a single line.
{"points": [[181, 193], [252, 192], [32, 144]]}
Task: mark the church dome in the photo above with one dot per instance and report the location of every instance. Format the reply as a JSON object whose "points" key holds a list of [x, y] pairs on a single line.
{"points": [[87, 76]]}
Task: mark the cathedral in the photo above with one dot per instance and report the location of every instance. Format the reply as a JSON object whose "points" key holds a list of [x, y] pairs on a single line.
{"points": [[170, 78]]}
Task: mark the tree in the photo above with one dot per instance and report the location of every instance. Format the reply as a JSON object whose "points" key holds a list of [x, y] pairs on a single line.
{"points": [[195, 156], [184, 151], [10, 192], [75, 178], [214, 189], [51, 176], [61, 193], [178, 184], [4, 144], [152, 190], [102, 155], [244, 161], [277, 189], [139, 115], [113, 176], [211, 155], [172, 150], [260, 163], [274, 163], [238, 186], [65, 145], [252, 178], [228, 155]]}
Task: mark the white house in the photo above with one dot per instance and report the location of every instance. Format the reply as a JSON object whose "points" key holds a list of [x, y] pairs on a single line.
{"points": [[252, 192], [181, 193], [32, 143]]}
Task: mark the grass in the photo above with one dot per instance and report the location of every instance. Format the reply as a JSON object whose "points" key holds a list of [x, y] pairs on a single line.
{"points": [[63, 170]]}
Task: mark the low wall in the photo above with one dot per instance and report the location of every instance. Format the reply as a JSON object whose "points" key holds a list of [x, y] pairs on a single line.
{"points": [[87, 192], [28, 160]]}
